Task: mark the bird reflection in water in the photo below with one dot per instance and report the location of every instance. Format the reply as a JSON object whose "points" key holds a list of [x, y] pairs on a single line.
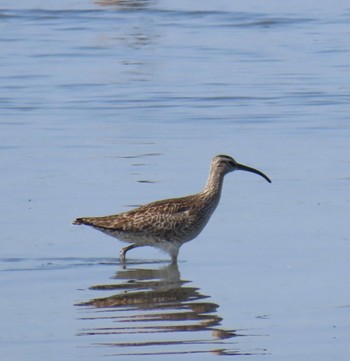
{"points": [[147, 306]]}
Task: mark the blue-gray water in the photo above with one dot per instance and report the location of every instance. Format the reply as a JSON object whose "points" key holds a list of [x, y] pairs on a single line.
{"points": [[109, 104]]}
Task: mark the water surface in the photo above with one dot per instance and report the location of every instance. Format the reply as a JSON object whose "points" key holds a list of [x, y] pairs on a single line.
{"points": [[106, 105]]}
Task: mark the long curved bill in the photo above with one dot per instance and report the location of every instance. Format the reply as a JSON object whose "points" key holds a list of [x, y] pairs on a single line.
{"points": [[252, 170]]}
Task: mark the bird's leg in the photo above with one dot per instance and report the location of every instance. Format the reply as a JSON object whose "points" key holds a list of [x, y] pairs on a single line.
{"points": [[123, 251], [174, 257]]}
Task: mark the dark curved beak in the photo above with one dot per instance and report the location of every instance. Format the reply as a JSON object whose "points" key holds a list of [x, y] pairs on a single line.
{"points": [[252, 170]]}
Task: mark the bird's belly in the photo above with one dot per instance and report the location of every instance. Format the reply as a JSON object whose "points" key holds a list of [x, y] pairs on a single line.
{"points": [[131, 237], [186, 233]]}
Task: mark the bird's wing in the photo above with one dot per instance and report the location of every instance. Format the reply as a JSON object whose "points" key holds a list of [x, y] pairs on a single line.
{"points": [[150, 217]]}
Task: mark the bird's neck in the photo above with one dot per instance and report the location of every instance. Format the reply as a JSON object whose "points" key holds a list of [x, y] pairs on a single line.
{"points": [[214, 184]]}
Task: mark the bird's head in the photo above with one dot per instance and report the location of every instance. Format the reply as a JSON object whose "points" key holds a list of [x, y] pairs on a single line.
{"points": [[226, 164]]}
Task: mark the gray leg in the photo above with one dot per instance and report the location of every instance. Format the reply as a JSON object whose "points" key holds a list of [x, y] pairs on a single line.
{"points": [[174, 255], [123, 251]]}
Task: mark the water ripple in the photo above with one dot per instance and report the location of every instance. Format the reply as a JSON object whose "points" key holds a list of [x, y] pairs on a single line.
{"points": [[158, 312]]}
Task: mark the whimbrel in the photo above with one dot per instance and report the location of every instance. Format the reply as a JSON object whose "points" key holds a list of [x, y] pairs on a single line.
{"points": [[169, 223]]}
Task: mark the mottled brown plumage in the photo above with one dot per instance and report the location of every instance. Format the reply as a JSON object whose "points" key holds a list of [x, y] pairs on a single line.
{"points": [[167, 224]]}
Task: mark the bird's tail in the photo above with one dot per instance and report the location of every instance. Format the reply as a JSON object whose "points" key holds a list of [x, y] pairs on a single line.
{"points": [[79, 221]]}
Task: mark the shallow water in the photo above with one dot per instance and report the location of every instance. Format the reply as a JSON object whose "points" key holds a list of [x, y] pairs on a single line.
{"points": [[110, 104]]}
